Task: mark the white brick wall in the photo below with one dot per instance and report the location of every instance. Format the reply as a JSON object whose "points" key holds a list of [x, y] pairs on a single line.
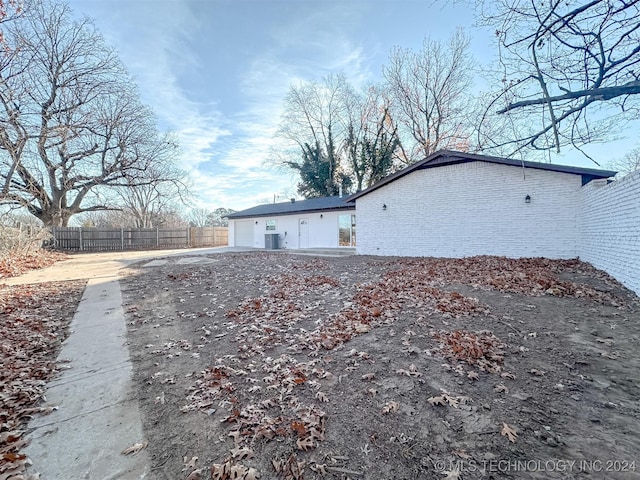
{"points": [[474, 208], [610, 229], [323, 231]]}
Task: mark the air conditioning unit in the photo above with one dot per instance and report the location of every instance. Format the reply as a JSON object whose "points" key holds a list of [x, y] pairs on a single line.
{"points": [[271, 241]]}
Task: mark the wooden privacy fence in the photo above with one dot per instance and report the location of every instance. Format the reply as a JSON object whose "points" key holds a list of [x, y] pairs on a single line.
{"points": [[81, 239]]}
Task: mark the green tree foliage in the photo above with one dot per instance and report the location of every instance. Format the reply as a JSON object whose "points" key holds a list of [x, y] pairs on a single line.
{"points": [[320, 175], [217, 218]]}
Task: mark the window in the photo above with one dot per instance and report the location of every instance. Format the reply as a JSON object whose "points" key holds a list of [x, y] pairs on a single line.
{"points": [[271, 225], [346, 230]]}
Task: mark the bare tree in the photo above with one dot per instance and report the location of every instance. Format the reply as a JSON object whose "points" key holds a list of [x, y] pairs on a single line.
{"points": [[371, 146], [200, 217], [71, 123], [163, 188], [630, 163], [429, 91], [313, 112], [340, 137], [312, 128], [573, 65]]}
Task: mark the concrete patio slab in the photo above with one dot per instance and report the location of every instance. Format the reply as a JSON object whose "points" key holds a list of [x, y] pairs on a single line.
{"points": [[156, 263]]}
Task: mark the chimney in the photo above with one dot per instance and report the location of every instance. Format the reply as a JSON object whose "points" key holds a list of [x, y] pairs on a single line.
{"points": [[340, 191], [293, 200]]}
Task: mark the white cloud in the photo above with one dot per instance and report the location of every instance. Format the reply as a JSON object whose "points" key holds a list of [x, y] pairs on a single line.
{"points": [[170, 46]]}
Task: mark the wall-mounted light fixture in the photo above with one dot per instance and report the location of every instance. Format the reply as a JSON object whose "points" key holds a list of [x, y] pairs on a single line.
{"points": [[320, 215], [256, 222], [527, 199], [384, 206]]}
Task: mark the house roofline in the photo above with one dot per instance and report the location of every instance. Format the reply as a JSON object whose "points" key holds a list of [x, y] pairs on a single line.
{"points": [[451, 157], [294, 212]]}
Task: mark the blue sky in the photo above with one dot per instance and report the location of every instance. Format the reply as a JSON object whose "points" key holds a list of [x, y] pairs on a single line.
{"points": [[216, 71]]}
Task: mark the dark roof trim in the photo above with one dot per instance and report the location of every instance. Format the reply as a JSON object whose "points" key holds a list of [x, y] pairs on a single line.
{"points": [[450, 157], [312, 205]]}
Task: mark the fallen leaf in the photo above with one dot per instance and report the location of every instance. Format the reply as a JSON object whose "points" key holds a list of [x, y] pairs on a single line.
{"points": [[305, 443], [277, 465], [451, 474], [390, 407], [322, 397], [501, 388], [251, 474], [188, 464], [510, 432], [135, 448], [220, 471], [243, 453], [195, 475]]}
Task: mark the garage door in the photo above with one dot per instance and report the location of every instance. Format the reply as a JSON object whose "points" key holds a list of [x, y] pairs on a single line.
{"points": [[244, 233]]}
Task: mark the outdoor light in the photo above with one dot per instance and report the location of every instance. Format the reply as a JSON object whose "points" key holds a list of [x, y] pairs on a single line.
{"points": [[384, 206], [256, 222], [320, 215], [527, 199]]}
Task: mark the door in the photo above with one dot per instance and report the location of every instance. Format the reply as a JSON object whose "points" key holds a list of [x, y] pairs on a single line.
{"points": [[303, 233], [347, 230], [243, 233]]}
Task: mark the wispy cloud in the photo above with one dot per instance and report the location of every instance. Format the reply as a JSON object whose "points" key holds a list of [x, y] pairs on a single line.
{"points": [[297, 53], [175, 55]]}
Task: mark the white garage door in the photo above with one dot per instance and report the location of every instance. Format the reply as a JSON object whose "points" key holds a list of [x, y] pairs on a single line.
{"points": [[244, 233]]}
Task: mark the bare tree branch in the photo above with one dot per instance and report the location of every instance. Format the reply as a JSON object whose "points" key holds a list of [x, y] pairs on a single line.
{"points": [[561, 60], [71, 121]]}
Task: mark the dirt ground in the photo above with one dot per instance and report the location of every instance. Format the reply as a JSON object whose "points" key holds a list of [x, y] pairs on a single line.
{"points": [[268, 365]]}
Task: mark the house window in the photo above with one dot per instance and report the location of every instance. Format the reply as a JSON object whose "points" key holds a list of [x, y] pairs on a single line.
{"points": [[271, 225], [346, 230]]}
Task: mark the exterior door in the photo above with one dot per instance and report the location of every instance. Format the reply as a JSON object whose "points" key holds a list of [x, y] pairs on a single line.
{"points": [[303, 233], [243, 233], [347, 230]]}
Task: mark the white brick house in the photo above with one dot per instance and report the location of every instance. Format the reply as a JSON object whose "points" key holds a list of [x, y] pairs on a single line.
{"points": [[327, 222], [454, 204]]}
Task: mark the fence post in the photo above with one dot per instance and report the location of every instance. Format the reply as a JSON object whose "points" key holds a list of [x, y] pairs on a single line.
{"points": [[157, 237], [80, 236], [188, 237], [122, 238]]}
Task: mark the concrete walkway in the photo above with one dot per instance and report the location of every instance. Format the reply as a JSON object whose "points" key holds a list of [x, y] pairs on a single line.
{"points": [[97, 414]]}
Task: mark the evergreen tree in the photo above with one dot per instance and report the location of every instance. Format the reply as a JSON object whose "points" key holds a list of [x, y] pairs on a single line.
{"points": [[320, 175]]}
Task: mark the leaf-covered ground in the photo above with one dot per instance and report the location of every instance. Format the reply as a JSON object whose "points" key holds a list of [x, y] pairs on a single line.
{"points": [[14, 263], [34, 321], [268, 365]]}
